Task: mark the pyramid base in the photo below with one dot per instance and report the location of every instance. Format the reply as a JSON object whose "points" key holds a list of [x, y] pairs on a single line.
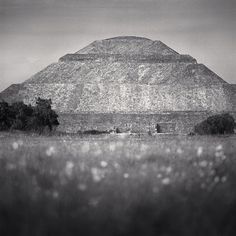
{"points": [[181, 122]]}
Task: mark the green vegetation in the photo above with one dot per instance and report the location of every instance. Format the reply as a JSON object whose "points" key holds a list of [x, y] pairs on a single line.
{"points": [[20, 116], [217, 124], [121, 185]]}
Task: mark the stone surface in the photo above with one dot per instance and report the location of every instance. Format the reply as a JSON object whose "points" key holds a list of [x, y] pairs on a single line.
{"points": [[127, 76]]}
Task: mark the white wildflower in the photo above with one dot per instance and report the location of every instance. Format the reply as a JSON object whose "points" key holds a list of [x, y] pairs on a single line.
{"points": [[50, 151], [179, 151], [166, 181], [69, 168], [217, 179], [159, 176], [97, 174], [15, 145], [85, 147], [203, 163], [126, 175], [144, 148], [219, 148], [112, 147], [167, 150], [82, 187], [168, 169], [55, 194], [223, 179], [199, 151], [117, 165], [103, 164]]}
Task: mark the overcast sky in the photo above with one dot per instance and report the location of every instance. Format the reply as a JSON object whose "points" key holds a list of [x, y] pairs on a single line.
{"points": [[35, 33]]}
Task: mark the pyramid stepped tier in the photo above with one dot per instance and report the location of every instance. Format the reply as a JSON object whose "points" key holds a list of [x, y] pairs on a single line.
{"points": [[126, 72], [127, 45], [127, 76], [129, 58]]}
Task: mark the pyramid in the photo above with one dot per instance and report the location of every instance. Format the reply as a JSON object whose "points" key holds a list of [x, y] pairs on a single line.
{"points": [[124, 80]]}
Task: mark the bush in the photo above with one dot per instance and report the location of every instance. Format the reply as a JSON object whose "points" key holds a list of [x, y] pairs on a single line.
{"points": [[26, 117], [95, 132], [6, 118], [217, 124], [158, 128]]}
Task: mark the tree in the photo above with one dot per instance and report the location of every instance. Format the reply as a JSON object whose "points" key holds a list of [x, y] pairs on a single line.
{"points": [[217, 124], [5, 116], [22, 114], [43, 115], [26, 117]]}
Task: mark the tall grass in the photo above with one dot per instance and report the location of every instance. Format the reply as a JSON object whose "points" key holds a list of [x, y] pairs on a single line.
{"points": [[117, 185]]}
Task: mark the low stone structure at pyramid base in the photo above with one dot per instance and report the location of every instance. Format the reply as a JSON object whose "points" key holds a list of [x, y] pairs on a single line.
{"points": [[170, 122], [129, 83]]}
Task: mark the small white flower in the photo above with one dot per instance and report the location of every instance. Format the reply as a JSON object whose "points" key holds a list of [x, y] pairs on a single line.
{"points": [[85, 147], [103, 164], [69, 168], [219, 148], [126, 175], [203, 163], [50, 151], [167, 150], [55, 194], [168, 169], [117, 165], [82, 187], [223, 179], [199, 151], [216, 179], [144, 148], [166, 181], [112, 147], [15, 145], [159, 176], [179, 151], [97, 174]]}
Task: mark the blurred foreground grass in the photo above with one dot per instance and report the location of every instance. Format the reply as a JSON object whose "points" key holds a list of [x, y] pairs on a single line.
{"points": [[117, 185]]}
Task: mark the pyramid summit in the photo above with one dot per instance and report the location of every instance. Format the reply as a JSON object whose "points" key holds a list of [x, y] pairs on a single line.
{"points": [[125, 81], [127, 45]]}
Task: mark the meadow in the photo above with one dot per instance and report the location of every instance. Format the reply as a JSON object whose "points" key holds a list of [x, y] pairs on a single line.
{"points": [[117, 185]]}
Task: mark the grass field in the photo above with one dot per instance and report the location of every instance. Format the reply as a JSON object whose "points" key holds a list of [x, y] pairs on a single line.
{"points": [[117, 185]]}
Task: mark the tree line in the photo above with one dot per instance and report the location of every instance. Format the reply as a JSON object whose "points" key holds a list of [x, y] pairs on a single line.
{"points": [[19, 116]]}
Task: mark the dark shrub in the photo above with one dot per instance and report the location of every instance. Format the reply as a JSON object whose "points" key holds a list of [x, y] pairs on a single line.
{"points": [[22, 114], [43, 116], [5, 116], [25, 117], [94, 132], [118, 131], [217, 124], [158, 128]]}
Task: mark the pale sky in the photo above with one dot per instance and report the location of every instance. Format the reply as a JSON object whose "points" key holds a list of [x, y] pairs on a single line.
{"points": [[35, 33]]}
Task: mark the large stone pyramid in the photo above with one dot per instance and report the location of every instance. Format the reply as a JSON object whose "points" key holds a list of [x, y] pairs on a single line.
{"points": [[127, 82]]}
